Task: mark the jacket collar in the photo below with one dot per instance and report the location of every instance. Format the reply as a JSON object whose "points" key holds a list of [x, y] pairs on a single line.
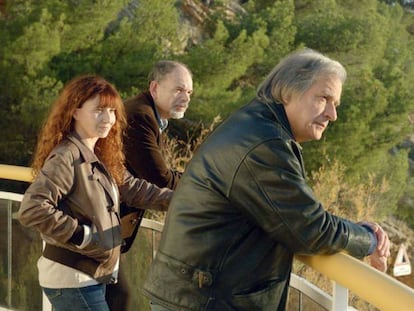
{"points": [[279, 112], [90, 157], [162, 123], [85, 152]]}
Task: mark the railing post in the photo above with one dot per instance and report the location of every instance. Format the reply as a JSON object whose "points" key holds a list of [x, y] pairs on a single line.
{"points": [[154, 251], [46, 305], [340, 297], [9, 252]]}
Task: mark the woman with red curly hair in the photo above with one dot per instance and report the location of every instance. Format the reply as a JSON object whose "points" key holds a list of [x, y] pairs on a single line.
{"points": [[80, 179]]}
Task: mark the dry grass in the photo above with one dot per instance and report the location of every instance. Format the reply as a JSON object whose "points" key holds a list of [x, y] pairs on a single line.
{"points": [[354, 202], [178, 153]]}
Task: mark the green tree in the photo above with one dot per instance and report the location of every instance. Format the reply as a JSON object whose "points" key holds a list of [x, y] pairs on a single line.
{"points": [[375, 103], [216, 64], [131, 41], [46, 44], [24, 90], [238, 53], [277, 20]]}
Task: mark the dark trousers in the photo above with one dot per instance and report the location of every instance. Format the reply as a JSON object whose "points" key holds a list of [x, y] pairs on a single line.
{"points": [[118, 295]]}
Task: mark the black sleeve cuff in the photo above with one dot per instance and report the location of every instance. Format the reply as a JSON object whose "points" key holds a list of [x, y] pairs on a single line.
{"points": [[77, 237]]}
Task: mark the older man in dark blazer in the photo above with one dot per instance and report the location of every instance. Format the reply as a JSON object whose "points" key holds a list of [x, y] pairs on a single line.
{"points": [[170, 88], [168, 96]]}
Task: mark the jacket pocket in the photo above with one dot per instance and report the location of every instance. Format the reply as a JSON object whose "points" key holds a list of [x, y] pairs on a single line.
{"points": [[98, 248], [265, 296], [175, 284]]}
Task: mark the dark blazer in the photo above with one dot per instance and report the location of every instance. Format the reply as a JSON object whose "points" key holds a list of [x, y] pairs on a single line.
{"points": [[144, 143], [143, 150]]}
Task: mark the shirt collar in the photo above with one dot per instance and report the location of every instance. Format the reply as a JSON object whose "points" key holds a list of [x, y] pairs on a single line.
{"points": [[162, 123]]}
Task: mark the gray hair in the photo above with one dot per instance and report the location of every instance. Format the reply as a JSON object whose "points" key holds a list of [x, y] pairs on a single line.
{"points": [[296, 73], [164, 67]]}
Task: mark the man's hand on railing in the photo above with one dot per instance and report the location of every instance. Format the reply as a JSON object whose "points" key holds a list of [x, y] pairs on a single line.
{"points": [[378, 262], [378, 258]]}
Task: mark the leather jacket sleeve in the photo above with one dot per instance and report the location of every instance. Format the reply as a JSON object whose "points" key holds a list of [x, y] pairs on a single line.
{"points": [[271, 189]]}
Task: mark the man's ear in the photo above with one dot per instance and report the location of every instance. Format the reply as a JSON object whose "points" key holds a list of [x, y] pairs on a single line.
{"points": [[153, 88], [286, 99]]}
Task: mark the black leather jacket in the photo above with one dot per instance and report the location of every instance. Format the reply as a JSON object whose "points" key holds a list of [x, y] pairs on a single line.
{"points": [[241, 211]]}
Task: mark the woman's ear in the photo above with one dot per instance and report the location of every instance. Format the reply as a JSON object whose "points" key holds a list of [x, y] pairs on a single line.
{"points": [[75, 114]]}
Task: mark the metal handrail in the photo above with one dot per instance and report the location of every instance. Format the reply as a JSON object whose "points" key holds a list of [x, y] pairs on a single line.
{"points": [[377, 288], [14, 172]]}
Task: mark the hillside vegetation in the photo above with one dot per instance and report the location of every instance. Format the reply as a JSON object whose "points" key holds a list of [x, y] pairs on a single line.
{"points": [[360, 169]]}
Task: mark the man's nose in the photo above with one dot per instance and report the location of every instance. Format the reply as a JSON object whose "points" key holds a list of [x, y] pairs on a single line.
{"points": [[330, 112], [187, 96]]}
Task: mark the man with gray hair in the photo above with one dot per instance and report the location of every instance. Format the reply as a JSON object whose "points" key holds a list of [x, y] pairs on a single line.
{"points": [[244, 208]]}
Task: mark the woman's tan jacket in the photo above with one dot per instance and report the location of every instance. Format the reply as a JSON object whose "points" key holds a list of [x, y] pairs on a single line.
{"points": [[73, 188]]}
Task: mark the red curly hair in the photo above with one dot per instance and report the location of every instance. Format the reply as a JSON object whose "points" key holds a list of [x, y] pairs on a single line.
{"points": [[60, 123]]}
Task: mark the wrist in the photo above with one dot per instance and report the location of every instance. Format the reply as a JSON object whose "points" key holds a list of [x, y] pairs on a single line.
{"points": [[87, 236], [373, 236]]}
